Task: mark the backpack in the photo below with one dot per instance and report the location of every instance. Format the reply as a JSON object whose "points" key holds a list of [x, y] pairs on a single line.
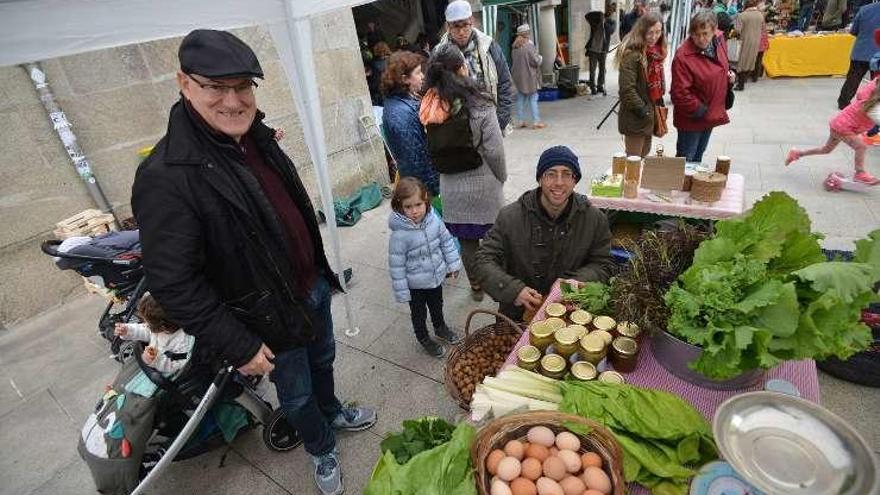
{"points": [[450, 144]]}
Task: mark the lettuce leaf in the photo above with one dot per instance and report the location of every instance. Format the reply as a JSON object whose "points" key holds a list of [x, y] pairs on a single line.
{"points": [[443, 470], [761, 292], [662, 436]]}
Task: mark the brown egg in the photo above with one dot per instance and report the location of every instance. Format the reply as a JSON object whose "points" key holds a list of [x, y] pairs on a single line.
{"points": [[539, 452], [492, 461], [522, 486], [568, 441], [554, 468], [514, 448], [592, 492], [541, 435], [509, 469], [572, 485], [546, 486], [591, 459], [532, 468], [571, 460], [554, 451], [499, 487], [596, 479]]}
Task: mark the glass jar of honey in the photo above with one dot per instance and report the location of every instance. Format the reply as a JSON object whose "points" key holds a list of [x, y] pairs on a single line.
{"points": [[553, 366], [528, 357], [592, 348], [540, 335]]}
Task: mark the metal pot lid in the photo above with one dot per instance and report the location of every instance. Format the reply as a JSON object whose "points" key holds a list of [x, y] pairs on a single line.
{"points": [[719, 478], [787, 445]]}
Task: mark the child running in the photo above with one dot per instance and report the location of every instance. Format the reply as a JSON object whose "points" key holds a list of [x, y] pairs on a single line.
{"points": [[421, 253], [847, 126]]}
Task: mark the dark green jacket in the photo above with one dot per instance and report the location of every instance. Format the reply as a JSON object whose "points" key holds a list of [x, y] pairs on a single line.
{"points": [[636, 116], [526, 248]]}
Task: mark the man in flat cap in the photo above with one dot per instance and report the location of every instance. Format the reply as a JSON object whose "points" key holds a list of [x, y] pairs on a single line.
{"points": [[231, 245], [486, 63], [548, 233]]}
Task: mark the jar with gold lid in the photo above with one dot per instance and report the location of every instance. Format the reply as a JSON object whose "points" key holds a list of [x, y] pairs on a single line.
{"points": [[566, 342], [606, 337], [611, 377], [592, 348], [624, 354], [628, 329], [584, 371], [540, 335], [528, 357], [578, 330], [556, 310], [553, 366], [580, 317], [554, 323], [606, 323]]}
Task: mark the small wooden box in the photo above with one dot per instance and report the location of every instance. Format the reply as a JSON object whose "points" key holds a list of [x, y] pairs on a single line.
{"points": [[662, 173]]}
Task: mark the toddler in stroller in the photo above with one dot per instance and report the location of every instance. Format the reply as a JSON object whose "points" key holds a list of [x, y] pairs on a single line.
{"points": [[169, 401]]}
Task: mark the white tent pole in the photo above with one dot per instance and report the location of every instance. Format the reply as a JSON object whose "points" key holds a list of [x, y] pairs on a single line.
{"points": [[299, 65]]}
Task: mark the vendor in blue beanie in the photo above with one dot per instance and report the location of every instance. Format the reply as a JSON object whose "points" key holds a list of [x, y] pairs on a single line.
{"points": [[550, 232]]}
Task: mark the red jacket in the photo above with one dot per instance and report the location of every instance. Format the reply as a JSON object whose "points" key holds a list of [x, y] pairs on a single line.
{"points": [[699, 87]]}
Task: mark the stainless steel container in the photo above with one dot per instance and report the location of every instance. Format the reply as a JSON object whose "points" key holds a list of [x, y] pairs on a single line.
{"points": [[675, 355]]}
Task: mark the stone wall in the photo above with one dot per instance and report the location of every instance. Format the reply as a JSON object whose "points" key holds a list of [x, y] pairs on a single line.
{"points": [[117, 101]]}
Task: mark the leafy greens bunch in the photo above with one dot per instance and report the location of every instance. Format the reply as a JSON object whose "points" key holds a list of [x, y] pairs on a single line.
{"points": [[761, 292]]}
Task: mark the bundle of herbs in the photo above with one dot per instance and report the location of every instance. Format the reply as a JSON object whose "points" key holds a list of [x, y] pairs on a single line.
{"points": [[659, 256], [761, 291], [418, 435], [594, 297]]}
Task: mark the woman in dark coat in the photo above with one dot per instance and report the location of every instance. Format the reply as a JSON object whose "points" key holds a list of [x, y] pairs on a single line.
{"points": [[700, 78], [640, 82], [405, 135]]}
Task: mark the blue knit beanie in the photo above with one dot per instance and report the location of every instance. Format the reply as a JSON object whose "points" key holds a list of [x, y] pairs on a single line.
{"points": [[558, 155]]}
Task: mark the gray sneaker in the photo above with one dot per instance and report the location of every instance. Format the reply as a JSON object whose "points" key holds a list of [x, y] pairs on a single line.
{"points": [[354, 419], [328, 474]]}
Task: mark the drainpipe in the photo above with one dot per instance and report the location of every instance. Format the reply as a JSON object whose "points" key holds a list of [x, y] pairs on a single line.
{"points": [[62, 127]]}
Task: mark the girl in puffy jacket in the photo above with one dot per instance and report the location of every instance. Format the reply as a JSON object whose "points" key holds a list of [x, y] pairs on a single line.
{"points": [[847, 126], [421, 254]]}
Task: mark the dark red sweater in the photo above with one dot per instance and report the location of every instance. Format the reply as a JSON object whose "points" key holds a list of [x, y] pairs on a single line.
{"points": [[299, 242]]}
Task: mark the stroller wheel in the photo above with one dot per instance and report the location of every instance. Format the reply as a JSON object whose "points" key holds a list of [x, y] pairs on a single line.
{"points": [[278, 435], [123, 350]]}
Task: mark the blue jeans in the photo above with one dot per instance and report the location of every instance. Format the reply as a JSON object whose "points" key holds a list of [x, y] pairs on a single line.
{"points": [[303, 378], [804, 18], [532, 100], [692, 144]]}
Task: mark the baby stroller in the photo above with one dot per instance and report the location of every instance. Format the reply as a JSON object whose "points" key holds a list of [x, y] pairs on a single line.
{"points": [[184, 424]]}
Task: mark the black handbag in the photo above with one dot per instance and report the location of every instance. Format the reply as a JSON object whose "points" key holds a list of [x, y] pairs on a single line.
{"points": [[728, 100]]}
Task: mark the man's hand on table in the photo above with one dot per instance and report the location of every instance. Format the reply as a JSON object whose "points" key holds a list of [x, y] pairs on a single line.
{"points": [[529, 299]]}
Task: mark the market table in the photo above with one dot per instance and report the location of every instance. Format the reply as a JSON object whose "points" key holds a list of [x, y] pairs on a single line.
{"points": [[649, 373], [731, 204], [814, 55]]}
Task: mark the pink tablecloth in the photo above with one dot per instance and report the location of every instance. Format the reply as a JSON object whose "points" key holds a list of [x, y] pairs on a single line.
{"points": [[651, 374], [731, 204]]}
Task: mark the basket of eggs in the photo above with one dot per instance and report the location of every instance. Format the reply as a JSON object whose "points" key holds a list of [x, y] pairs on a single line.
{"points": [[537, 453]]}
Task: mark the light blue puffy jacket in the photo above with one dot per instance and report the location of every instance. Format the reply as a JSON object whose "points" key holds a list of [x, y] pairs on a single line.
{"points": [[419, 255]]}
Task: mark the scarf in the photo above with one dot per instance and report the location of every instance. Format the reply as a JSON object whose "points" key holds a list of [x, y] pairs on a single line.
{"points": [[472, 56], [654, 70]]}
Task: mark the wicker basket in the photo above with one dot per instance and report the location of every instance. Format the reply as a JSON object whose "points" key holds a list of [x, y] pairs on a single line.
{"points": [[502, 326], [515, 427], [708, 186]]}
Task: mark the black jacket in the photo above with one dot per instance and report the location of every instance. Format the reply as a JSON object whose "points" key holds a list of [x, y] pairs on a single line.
{"points": [[213, 249]]}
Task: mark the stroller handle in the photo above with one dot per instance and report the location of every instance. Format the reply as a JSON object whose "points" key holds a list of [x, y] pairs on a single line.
{"points": [[50, 247]]}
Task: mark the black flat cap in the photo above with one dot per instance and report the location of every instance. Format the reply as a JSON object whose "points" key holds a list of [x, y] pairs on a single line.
{"points": [[217, 55]]}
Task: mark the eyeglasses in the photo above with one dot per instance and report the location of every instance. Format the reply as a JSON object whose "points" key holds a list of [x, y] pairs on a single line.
{"points": [[553, 175], [220, 90]]}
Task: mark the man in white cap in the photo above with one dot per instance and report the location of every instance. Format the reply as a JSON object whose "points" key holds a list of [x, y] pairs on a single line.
{"points": [[486, 63]]}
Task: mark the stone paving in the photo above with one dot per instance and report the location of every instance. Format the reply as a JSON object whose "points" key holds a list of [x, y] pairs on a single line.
{"points": [[54, 366]]}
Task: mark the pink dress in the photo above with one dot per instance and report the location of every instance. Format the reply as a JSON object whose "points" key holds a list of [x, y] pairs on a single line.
{"points": [[852, 119]]}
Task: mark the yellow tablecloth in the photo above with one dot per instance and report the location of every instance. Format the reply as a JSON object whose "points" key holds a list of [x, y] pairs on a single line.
{"points": [[826, 55]]}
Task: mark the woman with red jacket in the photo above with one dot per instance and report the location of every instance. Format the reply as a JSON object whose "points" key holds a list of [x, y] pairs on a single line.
{"points": [[701, 76]]}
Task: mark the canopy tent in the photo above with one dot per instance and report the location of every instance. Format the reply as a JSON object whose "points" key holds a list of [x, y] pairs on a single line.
{"points": [[33, 30]]}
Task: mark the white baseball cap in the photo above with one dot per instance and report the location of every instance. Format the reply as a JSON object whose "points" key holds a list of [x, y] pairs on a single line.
{"points": [[458, 10]]}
